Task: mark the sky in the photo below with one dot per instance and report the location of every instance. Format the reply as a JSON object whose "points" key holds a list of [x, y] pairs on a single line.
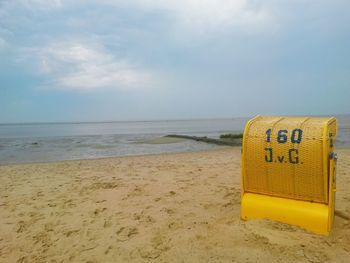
{"points": [[120, 60]]}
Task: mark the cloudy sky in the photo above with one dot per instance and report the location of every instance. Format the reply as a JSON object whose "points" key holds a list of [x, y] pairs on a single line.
{"points": [[64, 60]]}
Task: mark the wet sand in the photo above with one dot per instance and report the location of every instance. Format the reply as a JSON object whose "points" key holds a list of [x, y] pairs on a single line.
{"points": [[157, 208]]}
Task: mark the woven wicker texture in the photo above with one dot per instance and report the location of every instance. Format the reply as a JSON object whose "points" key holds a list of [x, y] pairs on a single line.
{"points": [[288, 157]]}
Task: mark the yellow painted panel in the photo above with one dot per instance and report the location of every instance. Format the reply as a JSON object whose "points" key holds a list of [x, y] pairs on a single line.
{"points": [[308, 215], [288, 171]]}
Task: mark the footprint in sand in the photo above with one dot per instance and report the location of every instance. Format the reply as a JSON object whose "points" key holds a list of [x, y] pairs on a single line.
{"points": [[171, 194], [211, 205], [149, 252], [87, 190], [138, 216], [22, 260], [175, 225], [184, 188], [69, 204], [185, 201], [99, 211], [107, 223], [259, 239], [108, 249], [157, 246], [71, 232], [213, 176], [315, 256], [168, 211], [52, 204], [157, 199], [281, 226], [142, 217], [39, 194], [21, 226], [125, 233], [49, 227], [137, 191], [233, 194]]}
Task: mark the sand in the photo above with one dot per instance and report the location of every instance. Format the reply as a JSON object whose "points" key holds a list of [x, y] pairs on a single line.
{"points": [[158, 208]]}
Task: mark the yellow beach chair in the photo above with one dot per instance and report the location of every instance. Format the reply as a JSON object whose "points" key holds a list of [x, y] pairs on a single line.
{"points": [[288, 171]]}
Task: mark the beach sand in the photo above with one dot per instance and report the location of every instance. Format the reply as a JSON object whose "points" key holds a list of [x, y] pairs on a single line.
{"points": [[158, 208]]}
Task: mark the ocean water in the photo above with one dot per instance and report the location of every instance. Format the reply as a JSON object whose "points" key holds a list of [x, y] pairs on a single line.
{"points": [[43, 142], [38, 142]]}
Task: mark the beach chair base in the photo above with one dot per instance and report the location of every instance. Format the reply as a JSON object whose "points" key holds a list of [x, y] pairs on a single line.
{"points": [[314, 217]]}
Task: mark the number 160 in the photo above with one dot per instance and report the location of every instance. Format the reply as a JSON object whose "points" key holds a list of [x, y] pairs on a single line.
{"points": [[282, 136]]}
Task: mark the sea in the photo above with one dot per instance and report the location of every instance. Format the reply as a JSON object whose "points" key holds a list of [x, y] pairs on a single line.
{"points": [[47, 142]]}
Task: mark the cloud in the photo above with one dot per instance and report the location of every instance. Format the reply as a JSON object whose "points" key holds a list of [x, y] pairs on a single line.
{"points": [[208, 15], [3, 44], [212, 13], [74, 65], [41, 4]]}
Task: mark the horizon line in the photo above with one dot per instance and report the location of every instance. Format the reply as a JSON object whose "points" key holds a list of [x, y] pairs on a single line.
{"points": [[157, 120]]}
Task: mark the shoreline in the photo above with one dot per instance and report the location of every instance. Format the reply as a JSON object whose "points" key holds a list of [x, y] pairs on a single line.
{"points": [[218, 148]]}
